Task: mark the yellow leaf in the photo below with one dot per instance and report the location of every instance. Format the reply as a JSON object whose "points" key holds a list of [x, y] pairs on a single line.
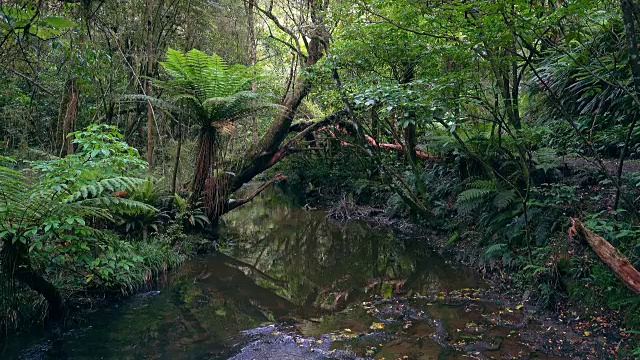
{"points": [[377, 326], [587, 333], [519, 307]]}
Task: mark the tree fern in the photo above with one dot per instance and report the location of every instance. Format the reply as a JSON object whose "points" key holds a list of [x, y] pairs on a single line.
{"points": [[207, 87]]}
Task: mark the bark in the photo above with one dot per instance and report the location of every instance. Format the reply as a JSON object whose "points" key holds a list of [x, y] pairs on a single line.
{"points": [[629, 17], [16, 263], [206, 143], [148, 84], [410, 139], [617, 262], [275, 135], [399, 148], [174, 175], [67, 117]]}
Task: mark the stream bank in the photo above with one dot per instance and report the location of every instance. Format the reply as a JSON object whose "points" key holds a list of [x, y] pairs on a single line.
{"points": [[290, 284]]}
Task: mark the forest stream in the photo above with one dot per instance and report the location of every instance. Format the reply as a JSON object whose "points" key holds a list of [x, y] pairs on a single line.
{"points": [[289, 283]]}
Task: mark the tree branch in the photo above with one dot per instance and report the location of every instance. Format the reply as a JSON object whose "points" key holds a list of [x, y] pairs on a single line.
{"points": [[33, 82], [403, 28], [232, 203]]}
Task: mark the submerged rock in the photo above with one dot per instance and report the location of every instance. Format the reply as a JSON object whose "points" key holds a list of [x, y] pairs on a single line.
{"points": [[273, 342]]}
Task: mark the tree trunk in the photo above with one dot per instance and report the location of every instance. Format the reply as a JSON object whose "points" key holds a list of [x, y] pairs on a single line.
{"points": [[410, 139], [252, 52], [609, 255], [260, 157], [206, 143], [148, 84], [263, 153], [399, 148], [174, 176], [67, 117], [629, 17], [16, 263], [410, 134]]}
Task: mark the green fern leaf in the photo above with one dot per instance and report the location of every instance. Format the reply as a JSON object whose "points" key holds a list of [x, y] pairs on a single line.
{"points": [[504, 198]]}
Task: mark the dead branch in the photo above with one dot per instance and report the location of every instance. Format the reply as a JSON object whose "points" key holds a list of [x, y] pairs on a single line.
{"points": [[397, 147], [241, 264], [232, 203], [611, 256]]}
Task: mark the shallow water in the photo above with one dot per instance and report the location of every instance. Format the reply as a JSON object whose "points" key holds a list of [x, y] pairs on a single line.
{"points": [[289, 284]]}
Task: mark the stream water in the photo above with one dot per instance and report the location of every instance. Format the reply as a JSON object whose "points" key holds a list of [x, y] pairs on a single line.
{"points": [[290, 284]]}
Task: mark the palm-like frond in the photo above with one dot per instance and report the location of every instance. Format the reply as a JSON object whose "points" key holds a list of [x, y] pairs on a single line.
{"points": [[209, 88], [235, 106]]}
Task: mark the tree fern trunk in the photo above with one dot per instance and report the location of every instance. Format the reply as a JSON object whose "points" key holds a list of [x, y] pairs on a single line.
{"points": [[206, 143], [67, 117]]}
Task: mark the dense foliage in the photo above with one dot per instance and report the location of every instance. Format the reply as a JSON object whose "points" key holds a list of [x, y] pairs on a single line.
{"points": [[492, 122]]}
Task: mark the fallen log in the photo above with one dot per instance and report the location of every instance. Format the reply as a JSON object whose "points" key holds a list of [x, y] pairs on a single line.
{"points": [[397, 147], [613, 258]]}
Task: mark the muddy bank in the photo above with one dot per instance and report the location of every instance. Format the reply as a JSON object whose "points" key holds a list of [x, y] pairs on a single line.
{"points": [[567, 330], [461, 324]]}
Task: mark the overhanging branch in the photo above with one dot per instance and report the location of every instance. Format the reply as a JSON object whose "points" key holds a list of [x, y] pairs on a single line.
{"points": [[232, 203]]}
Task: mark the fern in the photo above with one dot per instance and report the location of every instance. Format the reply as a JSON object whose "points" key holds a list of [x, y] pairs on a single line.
{"points": [[546, 159], [495, 250], [207, 87], [120, 206], [471, 199], [99, 188], [473, 195], [484, 184], [504, 198]]}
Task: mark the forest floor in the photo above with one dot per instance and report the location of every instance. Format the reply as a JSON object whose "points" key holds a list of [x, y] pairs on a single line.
{"points": [[611, 165]]}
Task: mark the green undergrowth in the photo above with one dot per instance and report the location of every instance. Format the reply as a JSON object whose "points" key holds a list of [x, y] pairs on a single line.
{"points": [[325, 178], [125, 269], [89, 225], [479, 215]]}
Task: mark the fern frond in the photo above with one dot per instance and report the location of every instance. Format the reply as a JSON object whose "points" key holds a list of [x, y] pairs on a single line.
{"points": [[118, 205], [495, 250], [473, 195], [99, 188], [484, 184], [546, 159], [504, 198]]}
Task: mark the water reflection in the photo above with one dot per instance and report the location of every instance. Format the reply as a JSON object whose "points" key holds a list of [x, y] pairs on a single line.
{"points": [[322, 262], [278, 263]]}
